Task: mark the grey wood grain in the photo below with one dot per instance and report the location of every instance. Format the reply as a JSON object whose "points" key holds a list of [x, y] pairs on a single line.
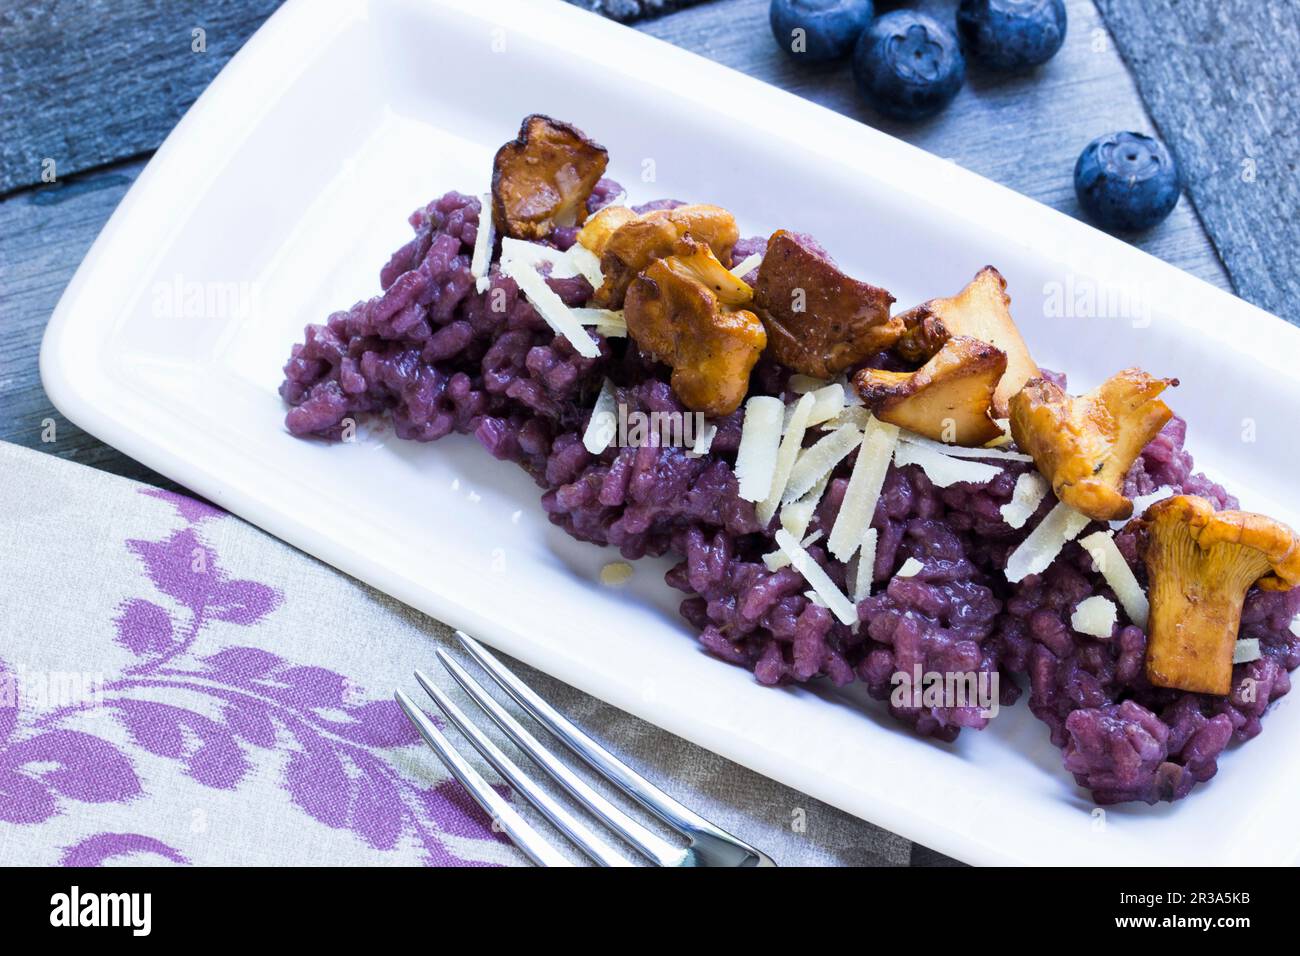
{"points": [[1024, 132], [1227, 106], [43, 236], [89, 82]]}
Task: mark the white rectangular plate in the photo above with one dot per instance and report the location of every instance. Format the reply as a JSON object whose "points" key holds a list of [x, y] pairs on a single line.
{"points": [[285, 189]]}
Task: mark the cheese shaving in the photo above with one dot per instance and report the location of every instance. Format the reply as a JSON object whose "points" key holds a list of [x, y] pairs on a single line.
{"points": [[961, 451], [615, 574], [607, 322], [1045, 542], [1142, 502], [1246, 650], [814, 598], [816, 576], [863, 491], [820, 460], [858, 415], [747, 265], [942, 469], [865, 568], [1003, 439], [1110, 562], [797, 515], [535, 254], [760, 438], [1031, 488], [1094, 616], [1295, 625], [703, 441], [585, 262], [602, 425], [776, 560], [549, 305], [791, 444], [827, 403], [801, 384], [481, 260], [910, 569]]}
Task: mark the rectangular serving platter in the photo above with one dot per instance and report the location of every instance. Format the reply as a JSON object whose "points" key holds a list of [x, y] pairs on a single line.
{"points": [[286, 187]]}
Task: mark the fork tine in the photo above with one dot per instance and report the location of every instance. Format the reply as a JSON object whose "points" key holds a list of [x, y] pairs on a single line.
{"points": [[573, 828], [655, 848], [523, 835], [680, 818]]}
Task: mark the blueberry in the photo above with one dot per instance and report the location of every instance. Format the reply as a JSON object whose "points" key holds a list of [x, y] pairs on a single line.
{"points": [[829, 27], [1012, 35], [908, 65], [1126, 182]]}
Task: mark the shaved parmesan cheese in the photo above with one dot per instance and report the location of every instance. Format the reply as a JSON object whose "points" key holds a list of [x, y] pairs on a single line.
{"points": [[816, 576], [484, 239], [851, 415], [851, 396], [607, 322], [910, 569], [549, 305], [1110, 562], [1295, 625], [1142, 502], [791, 444], [827, 403], [1246, 650], [1045, 542], [703, 441], [801, 384], [602, 425], [615, 574], [759, 439], [796, 516], [776, 560], [535, 254], [863, 491], [820, 460], [1031, 488], [961, 451], [1094, 616], [585, 263], [943, 470], [747, 265], [1003, 439], [866, 566], [814, 598]]}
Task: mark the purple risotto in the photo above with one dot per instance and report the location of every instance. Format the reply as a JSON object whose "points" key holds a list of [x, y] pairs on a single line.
{"points": [[877, 496]]}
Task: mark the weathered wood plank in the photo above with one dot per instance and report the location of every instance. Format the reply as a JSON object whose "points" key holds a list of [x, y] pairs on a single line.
{"points": [[89, 82], [1024, 132], [1227, 106], [43, 236]]}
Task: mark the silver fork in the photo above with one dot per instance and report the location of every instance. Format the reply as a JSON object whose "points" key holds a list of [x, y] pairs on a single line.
{"points": [[707, 845]]}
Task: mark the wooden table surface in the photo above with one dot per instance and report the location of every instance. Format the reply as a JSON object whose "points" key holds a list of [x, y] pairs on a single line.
{"points": [[93, 86]]}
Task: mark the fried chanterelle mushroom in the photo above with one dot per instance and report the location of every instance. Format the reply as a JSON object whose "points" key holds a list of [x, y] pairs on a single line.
{"points": [[1200, 564], [642, 239], [542, 179], [1085, 445], [682, 310], [981, 311], [947, 399], [819, 320]]}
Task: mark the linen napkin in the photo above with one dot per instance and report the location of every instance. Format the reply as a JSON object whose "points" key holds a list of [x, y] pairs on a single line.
{"points": [[177, 687]]}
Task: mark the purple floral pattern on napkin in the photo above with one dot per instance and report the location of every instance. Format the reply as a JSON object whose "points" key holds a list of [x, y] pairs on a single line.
{"points": [[208, 706]]}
